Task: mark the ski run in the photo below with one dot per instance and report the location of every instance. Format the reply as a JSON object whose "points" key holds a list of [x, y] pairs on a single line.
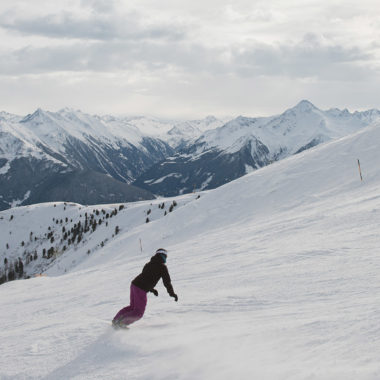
{"points": [[277, 275]]}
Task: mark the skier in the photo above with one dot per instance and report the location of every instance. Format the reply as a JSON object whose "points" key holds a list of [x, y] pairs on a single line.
{"points": [[141, 285]]}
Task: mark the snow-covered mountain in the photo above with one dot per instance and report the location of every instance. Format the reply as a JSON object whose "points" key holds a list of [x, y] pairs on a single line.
{"points": [[52, 156], [245, 144], [185, 132], [277, 275], [75, 139], [72, 156]]}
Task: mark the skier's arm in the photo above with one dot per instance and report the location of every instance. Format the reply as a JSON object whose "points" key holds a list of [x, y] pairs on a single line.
{"points": [[167, 282]]}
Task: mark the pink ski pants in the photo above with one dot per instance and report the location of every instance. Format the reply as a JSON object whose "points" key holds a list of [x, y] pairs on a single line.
{"points": [[136, 309]]}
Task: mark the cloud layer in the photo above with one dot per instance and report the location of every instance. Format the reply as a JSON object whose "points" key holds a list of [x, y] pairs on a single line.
{"points": [[211, 54]]}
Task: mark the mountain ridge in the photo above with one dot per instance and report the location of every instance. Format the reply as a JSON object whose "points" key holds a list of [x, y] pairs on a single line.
{"points": [[245, 144], [160, 156]]}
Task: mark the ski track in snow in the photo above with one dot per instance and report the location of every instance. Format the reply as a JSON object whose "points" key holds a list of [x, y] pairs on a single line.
{"points": [[277, 275]]}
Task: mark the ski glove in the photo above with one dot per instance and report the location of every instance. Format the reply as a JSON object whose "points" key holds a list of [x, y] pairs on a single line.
{"points": [[155, 292], [174, 296]]}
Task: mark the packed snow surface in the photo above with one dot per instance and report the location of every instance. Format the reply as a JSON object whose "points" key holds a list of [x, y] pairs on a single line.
{"points": [[277, 275]]}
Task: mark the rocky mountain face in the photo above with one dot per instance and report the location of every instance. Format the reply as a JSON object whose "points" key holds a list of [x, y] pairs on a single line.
{"points": [[245, 144], [72, 156]]}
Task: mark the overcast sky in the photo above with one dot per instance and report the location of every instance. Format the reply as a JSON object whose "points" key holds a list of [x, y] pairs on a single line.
{"points": [[185, 59]]}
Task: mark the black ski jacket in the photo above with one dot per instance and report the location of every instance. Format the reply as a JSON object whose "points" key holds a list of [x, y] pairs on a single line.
{"points": [[152, 273]]}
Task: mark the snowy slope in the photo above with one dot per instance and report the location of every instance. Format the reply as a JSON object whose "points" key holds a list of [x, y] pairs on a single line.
{"points": [[37, 150], [52, 129], [277, 275], [45, 149], [185, 132], [26, 231], [245, 144], [290, 131]]}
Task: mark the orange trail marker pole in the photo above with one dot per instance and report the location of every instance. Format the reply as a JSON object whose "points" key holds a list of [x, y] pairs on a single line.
{"points": [[360, 171]]}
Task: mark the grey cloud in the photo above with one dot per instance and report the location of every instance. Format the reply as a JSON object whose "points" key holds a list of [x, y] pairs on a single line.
{"points": [[309, 58], [95, 27], [108, 56], [101, 6]]}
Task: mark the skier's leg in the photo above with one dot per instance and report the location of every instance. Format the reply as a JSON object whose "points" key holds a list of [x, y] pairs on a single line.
{"points": [[125, 310], [139, 298]]}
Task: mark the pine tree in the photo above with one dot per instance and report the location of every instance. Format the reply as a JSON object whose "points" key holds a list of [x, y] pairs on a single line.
{"points": [[50, 252], [11, 272], [3, 277], [20, 268]]}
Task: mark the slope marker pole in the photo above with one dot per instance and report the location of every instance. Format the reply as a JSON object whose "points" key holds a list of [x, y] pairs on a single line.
{"points": [[360, 171], [140, 245]]}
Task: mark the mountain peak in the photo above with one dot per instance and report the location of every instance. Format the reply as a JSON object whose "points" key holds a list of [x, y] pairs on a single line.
{"points": [[304, 105], [39, 113]]}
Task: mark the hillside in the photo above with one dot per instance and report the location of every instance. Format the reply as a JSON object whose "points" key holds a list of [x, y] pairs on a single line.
{"points": [[277, 275], [51, 156], [244, 144]]}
